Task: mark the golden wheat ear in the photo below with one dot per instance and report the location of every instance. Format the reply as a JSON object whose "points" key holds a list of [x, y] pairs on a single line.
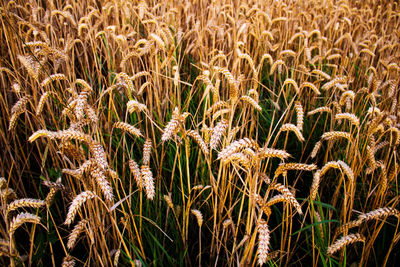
{"points": [[263, 241], [344, 241], [22, 218], [77, 202]]}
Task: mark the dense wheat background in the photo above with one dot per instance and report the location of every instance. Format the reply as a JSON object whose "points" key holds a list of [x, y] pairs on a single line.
{"points": [[204, 132]]}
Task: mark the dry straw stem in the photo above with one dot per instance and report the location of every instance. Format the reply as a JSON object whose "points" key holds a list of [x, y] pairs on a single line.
{"points": [[146, 151], [216, 135], [199, 140], [78, 229], [22, 218], [263, 241], [348, 116], [293, 128], [284, 167], [148, 181], [134, 167], [25, 202], [288, 195], [78, 201], [128, 128], [198, 215], [237, 146], [344, 241]]}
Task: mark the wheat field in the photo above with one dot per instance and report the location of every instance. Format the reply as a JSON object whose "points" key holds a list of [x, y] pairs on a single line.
{"points": [[199, 133]]}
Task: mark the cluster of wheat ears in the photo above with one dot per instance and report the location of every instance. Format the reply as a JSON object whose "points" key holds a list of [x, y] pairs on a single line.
{"points": [[203, 132]]}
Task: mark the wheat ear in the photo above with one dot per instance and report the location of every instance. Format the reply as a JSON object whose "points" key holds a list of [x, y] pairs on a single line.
{"points": [[344, 241], [263, 241], [76, 204]]}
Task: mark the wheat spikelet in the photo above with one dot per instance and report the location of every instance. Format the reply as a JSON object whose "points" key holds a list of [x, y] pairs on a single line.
{"points": [[77, 202], [336, 135], [101, 180], [293, 83], [300, 115], [53, 77], [172, 126], [276, 199], [237, 146], [99, 155], [84, 84], [347, 98], [41, 133], [347, 170], [322, 74], [42, 101], [328, 165], [288, 195], [273, 153], [217, 106], [263, 241], [344, 241], [68, 261], [333, 82], [146, 151], [198, 215], [293, 128], [240, 158], [22, 218], [3, 182], [134, 105], [7, 193], [318, 110], [128, 128], [233, 88], [263, 205], [216, 135], [287, 52], [199, 140], [25, 202], [277, 64], [349, 225], [17, 110], [310, 85], [148, 181], [134, 167], [315, 184], [284, 167], [249, 60], [168, 200], [220, 112], [348, 116], [144, 86], [379, 213], [251, 101], [31, 66], [78, 229], [16, 88], [67, 135], [158, 40], [50, 196]]}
